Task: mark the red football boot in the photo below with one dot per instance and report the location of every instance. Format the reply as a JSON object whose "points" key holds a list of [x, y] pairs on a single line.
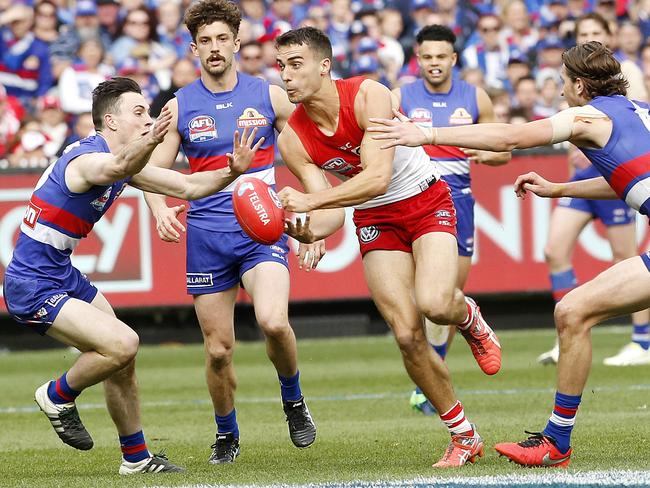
{"points": [[536, 451], [461, 449], [482, 341]]}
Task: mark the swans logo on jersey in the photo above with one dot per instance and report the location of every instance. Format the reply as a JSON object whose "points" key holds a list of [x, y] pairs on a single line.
{"points": [[202, 128], [368, 234], [274, 197], [99, 203], [31, 215], [251, 118], [338, 165], [348, 147], [460, 117], [420, 116], [243, 187]]}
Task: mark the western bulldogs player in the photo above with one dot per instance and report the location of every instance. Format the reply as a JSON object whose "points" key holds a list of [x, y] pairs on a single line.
{"points": [[404, 216], [46, 293], [219, 254], [441, 98], [614, 133]]}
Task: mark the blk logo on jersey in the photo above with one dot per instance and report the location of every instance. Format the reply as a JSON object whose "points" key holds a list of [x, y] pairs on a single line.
{"points": [[460, 116], [99, 203], [31, 215], [202, 128], [368, 234], [251, 118], [421, 116]]}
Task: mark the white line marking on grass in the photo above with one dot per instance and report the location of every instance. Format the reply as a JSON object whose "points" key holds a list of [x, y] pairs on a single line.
{"points": [[338, 398], [548, 478]]}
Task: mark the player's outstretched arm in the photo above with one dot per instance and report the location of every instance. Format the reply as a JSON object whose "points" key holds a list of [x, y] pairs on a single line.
{"points": [[201, 184], [593, 188]]}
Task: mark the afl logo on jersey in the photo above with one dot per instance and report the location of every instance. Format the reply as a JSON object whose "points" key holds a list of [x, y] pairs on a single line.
{"points": [[202, 128], [460, 117], [338, 165], [368, 234], [420, 116], [251, 118]]}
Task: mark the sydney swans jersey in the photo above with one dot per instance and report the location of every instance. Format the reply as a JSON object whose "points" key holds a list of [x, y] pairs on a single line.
{"points": [[57, 218], [340, 153], [206, 123], [625, 159], [457, 107]]}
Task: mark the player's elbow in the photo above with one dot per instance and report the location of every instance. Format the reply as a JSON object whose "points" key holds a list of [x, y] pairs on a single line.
{"points": [[379, 184]]}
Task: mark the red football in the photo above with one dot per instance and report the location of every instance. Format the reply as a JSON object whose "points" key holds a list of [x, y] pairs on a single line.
{"points": [[258, 210]]}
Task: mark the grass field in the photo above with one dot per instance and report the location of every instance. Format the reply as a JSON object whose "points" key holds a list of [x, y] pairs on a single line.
{"points": [[358, 394]]}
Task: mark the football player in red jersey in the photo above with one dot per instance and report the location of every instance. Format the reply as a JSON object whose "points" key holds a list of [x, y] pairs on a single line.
{"points": [[404, 215]]}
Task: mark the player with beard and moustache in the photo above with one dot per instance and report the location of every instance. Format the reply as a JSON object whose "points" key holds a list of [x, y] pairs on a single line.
{"points": [[220, 255], [441, 98]]}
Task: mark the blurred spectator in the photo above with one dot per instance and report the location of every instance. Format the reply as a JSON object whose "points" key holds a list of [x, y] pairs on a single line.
{"points": [[108, 15], [549, 52], [460, 19], [77, 82], [29, 151], [640, 14], [83, 127], [25, 69], [501, 113], [317, 17], [517, 33], [46, 24], [183, 74], [341, 19], [52, 122], [629, 43], [606, 8], [576, 8], [420, 10], [368, 66], [282, 11], [517, 69], [548, 83], [594, 27], [86, 26], [474, 76], [488, 53], [391, 53], [9, 123], [526, 96], [138, 39], [171, 31], [250, 59], [254, 12], [136, 69]]}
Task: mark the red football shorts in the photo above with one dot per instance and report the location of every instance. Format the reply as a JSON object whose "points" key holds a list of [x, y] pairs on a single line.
{"points": [[395, 226]]}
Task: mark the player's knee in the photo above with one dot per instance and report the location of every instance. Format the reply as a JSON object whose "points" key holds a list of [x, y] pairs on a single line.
{"points": [[274, 326], [125, 348], [553, 255], [569, 317], [219, 354], [438, 308], [409, 341]]}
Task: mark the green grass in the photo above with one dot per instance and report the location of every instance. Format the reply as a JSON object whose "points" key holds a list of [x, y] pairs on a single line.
{"points": [[358, 393]]}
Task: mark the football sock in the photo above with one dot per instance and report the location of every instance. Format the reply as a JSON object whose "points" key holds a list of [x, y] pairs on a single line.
{"points": [[228, 424], [60, 392], [290, 387], [562, 419], [134, 447], [464, 325], [456, 422], [641, 335], [562, 283]]}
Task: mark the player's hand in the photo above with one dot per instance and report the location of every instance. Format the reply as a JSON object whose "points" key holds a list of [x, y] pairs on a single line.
{"points": [[294, 201], [309, 255], [243, 150], [479, 156], [400, 132], [167, 223], [300, 231], [532, 182], [161, 125]]}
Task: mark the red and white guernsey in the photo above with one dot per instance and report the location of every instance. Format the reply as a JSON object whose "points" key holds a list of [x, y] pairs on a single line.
{"points": [[340, 153]]}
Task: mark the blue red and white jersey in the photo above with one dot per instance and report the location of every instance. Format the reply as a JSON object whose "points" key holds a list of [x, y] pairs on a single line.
{"points": [[57, 218], [625, 159], [206, 123], [457, 107]]}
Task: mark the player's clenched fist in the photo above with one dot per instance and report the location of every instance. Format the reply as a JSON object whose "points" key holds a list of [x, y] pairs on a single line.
{"points": [[294, 201]]}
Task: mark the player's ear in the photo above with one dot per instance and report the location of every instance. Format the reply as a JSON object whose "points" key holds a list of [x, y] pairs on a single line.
{"points": [[109, 122], [194, 48], [325, 67], [237, 44]]}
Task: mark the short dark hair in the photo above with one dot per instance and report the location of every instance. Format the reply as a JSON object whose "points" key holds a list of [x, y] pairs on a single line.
{"points": [[596, 17], [206, 12], [311, 37], [597, 67], [436, 33], [106, 97]]}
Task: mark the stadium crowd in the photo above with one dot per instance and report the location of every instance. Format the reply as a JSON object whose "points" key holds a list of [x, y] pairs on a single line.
{"points": [[54, 52]]}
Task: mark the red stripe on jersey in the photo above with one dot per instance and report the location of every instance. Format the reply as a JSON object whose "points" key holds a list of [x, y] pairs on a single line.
{"points": [[62, 218], [444, 152], [133, 449], [569, 412], [263, 157], [626, 172]]}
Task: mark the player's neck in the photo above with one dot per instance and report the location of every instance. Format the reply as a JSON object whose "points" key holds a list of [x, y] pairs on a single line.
{"points": [[112, 141], [442, 88], [323, 107], [222, 83]]}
